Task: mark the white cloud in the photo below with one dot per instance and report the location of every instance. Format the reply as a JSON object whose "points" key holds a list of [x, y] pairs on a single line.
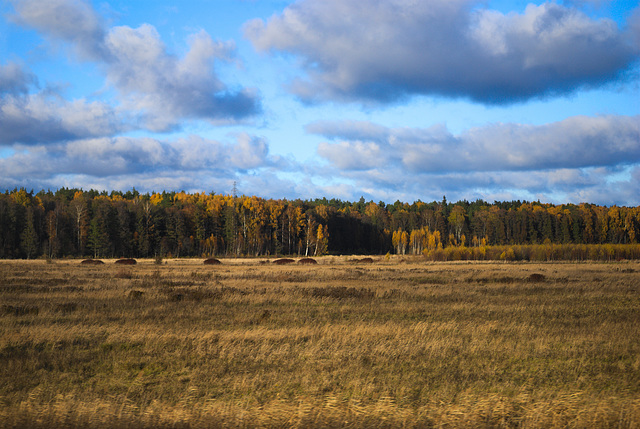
{"points": [[575, 142], [353, 155], [249, 152], [165, 88], [106, 158], [574, 158], [73, 21], [369, 50], [14, 79], [42, 118]]}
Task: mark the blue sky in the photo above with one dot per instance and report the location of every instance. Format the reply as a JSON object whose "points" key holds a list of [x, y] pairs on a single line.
{"points": [[389, 100]]}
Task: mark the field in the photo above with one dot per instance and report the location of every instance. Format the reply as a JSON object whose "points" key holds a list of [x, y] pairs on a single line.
{"points": [[396, 343]]}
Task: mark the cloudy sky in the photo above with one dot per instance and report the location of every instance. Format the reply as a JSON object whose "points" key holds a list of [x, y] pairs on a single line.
{"points": [[385, 99]]}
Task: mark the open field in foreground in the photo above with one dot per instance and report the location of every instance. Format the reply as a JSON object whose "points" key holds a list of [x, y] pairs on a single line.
{"points": [[388, 344]]}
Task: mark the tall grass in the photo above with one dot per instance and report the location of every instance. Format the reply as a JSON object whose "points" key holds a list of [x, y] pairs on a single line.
{"points": [[384, 345], [538, 253]]}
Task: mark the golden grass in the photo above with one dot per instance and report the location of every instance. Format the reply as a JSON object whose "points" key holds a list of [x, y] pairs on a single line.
{"points": [[399, 343]]}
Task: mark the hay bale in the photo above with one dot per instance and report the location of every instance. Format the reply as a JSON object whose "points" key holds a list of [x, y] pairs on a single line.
{"points": [[126, 261], [135, 294], [283, 261], [212, 261], [537, 278], [92, 262], [308, 261]]}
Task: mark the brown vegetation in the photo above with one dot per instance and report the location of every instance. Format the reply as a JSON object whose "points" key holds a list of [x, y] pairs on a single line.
{"points": [[20, 310], [418, 344]]}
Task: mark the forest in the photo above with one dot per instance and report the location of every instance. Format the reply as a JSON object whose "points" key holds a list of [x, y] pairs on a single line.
{"points": [[76, 223]]}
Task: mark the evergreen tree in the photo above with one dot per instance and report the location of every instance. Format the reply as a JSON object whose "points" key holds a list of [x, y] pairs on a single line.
{"points": [[98, 237], [53, 244], [29, 237]]}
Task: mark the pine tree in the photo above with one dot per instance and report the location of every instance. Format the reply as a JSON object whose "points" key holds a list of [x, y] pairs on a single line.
{"points": [[53, 244], [29, 237], [98, 238]]}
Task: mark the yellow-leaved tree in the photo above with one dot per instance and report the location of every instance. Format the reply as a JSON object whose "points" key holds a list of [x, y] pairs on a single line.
{"points": [[400, 239], [322, 240]]}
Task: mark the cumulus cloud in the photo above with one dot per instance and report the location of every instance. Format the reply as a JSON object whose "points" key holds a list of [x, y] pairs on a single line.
{"points": [[14, 80], [250, 152], [192, 163], [575, 142], [168, 88], [361, 155], [593, 185], [577, 157], [148, 78], [107, 157], [386, 173], [370, 50], [44, 116], [73, 21]]}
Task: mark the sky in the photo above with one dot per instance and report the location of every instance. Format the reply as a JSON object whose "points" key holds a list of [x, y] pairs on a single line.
{"points": [[383, 99]]}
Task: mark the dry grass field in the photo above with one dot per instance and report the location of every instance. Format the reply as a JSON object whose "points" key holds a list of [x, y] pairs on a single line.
{"points": [[396, 343]]}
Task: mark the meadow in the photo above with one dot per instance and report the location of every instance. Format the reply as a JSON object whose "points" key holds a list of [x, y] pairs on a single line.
{"points": [[401, 342]]}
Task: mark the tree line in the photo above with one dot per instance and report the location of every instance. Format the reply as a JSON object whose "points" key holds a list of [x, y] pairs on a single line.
{"points": [[77, 223]]}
